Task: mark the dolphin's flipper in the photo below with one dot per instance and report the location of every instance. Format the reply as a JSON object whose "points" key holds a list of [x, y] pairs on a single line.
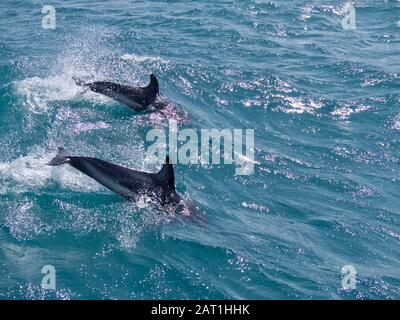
{"points": [[62, 157]]}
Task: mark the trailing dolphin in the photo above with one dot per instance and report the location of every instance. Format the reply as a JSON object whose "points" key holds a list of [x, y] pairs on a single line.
{"points": [[137, 98], [129, 183]]}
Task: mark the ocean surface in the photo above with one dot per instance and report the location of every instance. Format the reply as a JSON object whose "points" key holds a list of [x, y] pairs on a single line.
{"points": [[324, 104]]}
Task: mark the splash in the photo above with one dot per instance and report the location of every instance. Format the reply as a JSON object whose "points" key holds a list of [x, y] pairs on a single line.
{"points": [[30, 172], [143, 59], [93, 58], [345, 112], [22, 220], [396, 122]]}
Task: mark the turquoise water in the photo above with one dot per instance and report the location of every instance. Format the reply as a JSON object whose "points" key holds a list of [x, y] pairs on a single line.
{"points": [[324, 104]]}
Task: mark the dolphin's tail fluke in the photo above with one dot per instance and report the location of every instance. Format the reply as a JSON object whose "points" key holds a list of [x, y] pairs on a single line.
{"points": [[79, 82], [62, 157]]}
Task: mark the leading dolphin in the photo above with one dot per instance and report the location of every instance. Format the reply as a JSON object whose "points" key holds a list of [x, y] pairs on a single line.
{"points": [[137, 98], [129, 183]]}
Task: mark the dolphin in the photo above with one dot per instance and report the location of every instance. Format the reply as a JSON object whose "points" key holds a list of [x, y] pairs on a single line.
{"points": [[129, 183], [137, 98]]}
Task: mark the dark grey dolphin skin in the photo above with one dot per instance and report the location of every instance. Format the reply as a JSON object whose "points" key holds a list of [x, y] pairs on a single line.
{"points": [[137, 98], [128, 183]]}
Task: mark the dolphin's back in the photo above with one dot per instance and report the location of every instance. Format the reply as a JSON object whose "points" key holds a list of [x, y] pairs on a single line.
{"points": [[134, 97], [124, 181], [105, 86]]}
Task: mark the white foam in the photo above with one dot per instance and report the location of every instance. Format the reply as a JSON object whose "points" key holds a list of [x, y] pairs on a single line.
{"points": [[306, 12], [89, 126], [396, 122], [139, 59], [346, 112], [58, 84], [255, 206], [40, 91], [30, 172], [300, 105]]}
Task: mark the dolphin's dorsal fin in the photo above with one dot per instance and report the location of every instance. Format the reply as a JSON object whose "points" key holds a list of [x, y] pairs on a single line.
{"points": [[166, 174], [153, 85]]}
